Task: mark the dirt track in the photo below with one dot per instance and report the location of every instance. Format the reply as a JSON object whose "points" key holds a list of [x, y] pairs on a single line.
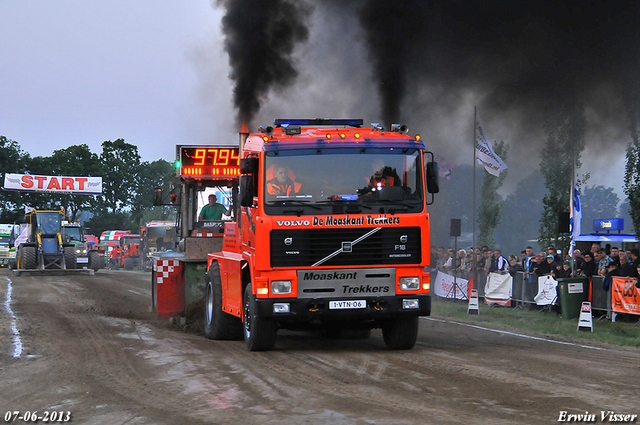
{"points": [[90, 346]]}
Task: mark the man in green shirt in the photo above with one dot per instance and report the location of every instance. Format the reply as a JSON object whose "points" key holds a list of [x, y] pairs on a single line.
{"points": [[213, 210]]}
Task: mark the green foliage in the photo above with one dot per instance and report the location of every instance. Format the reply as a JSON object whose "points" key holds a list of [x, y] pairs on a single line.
{"points": [[565, 128], [12, 160], [75, 161], [120, 167], [103, 221], [490, 210], [632, 166], [158, 213], [157, 174]]}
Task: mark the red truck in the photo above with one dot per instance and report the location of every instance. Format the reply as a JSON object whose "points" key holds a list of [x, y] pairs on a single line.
{"points": [[331, 230], [126, 254]]}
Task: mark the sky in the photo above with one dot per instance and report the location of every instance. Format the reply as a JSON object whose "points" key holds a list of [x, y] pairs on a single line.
{"points": [[157, 73]]}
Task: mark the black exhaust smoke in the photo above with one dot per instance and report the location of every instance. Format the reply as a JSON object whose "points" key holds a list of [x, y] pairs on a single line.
{"points": [[392, 30], [260, 37]]}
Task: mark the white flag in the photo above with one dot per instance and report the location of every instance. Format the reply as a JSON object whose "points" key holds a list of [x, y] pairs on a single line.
{"points": [[575, 214], [485, 154]]}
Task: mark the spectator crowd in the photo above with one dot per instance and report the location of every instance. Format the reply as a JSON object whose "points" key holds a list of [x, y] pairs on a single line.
{"points": [[607, 262]]}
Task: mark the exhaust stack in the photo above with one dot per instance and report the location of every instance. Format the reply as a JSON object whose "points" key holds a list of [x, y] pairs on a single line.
{"points": [[244, 133]]}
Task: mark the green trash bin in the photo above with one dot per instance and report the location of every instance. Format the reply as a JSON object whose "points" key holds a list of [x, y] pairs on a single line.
{"points": [[572, 292]]}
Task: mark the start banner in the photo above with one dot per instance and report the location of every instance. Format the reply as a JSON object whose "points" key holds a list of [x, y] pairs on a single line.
{"points": [[625, 296], [53, 184]]}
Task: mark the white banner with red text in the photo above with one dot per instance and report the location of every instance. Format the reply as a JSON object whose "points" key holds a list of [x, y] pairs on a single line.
{"points": [[53, 184], [444, 286]]}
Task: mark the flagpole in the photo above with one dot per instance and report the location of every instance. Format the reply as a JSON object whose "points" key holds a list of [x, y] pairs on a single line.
{"points": [[572, 207], [474, 191]]}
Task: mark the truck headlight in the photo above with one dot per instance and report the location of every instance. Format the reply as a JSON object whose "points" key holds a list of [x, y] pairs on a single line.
{"points": [[281, 287], [409, 283], [281, 308], [410, 304]]}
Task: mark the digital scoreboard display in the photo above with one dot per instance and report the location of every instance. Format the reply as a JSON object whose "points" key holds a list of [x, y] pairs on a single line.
{"points": [[208, 161]]}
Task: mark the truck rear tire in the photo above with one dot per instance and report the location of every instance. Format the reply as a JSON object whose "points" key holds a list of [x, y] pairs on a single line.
{"points": [[28, 260], [94, 260], [401, 333], [70, 259], [217, 323], [259, 333], [128, 263]]}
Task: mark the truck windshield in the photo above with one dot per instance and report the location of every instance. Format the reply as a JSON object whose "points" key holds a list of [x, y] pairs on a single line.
{"points": [[343, 181], [72, 233]]}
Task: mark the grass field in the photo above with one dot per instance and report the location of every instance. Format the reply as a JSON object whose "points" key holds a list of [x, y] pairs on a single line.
{"points": [[532, 321]]}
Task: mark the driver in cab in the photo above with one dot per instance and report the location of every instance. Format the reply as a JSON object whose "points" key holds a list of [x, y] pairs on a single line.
{"points": [[49, 225], [384, 177], [213, 210], [281, 181]]}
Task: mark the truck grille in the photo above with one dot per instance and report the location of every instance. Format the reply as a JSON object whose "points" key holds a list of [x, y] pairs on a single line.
{"points": [[319, 247]]}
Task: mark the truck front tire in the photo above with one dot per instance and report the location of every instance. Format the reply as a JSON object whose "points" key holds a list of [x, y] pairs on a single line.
{"points": [[401, 333], [259, 332], [217, 323]]}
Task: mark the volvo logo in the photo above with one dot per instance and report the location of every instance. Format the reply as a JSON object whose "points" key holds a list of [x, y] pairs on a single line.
{"points": [[288, 241], [403, 238]]}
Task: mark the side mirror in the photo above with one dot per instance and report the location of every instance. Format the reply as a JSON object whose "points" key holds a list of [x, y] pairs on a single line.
{"points": [[157, 196], [246, 191], [432, 177], [249, 165]]}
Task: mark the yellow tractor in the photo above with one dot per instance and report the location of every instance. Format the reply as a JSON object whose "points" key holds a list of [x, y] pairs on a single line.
{"points": [[45, 248]]}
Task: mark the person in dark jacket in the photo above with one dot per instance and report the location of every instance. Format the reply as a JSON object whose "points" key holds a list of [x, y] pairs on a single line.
{"points": [[612, 270], [589, 267], [625, 266], [544, 265]]}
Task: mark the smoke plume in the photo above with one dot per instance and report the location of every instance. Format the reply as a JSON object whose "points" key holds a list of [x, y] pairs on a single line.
{"points": [[260, 37], [392, 32]]}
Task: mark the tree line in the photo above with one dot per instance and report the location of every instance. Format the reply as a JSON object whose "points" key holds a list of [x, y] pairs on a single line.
{"points": [[127, 185]]}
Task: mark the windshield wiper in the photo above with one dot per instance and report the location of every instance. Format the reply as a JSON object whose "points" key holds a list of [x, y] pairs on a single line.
{"points": [[285, 202], [344, 202], [396, 202]]}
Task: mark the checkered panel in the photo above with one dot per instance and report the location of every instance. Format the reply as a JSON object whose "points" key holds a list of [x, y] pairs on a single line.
{"points": [[164, 268]]}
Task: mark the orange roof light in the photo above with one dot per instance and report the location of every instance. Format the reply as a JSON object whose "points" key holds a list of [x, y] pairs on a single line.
{"points": [[328, 136], [342, 135], [357, 135], [417, 137]]}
